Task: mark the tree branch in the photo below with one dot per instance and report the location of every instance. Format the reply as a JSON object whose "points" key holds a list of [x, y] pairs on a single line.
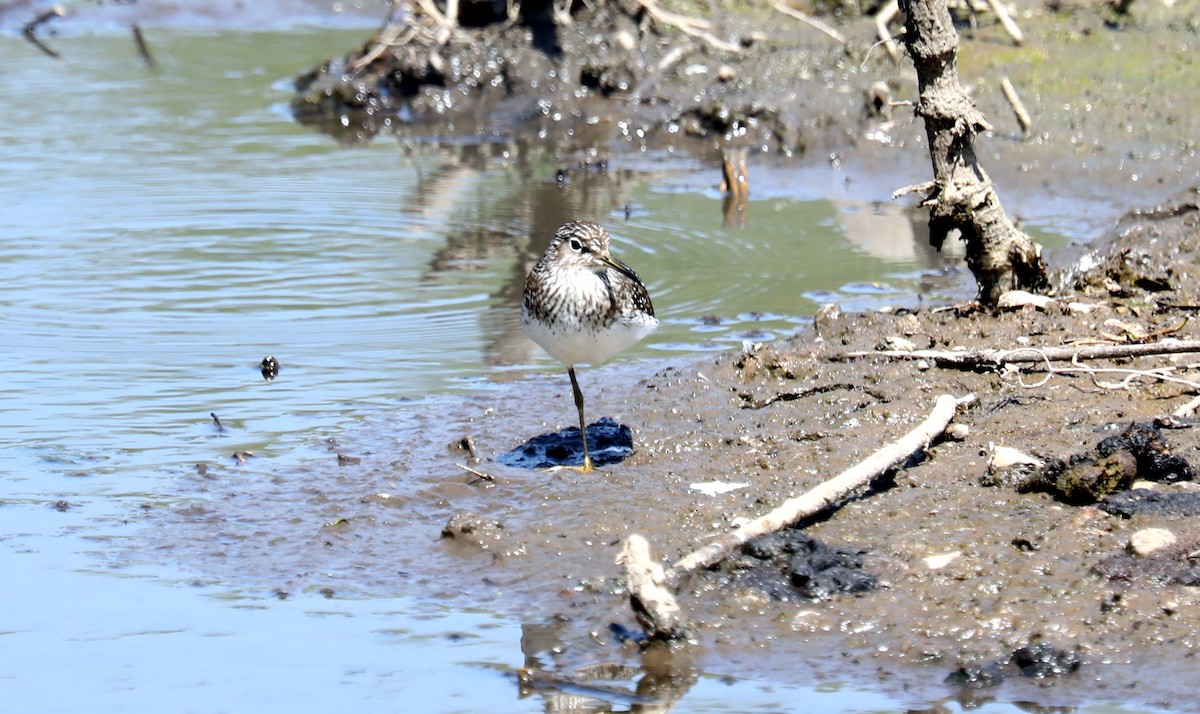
{"points": [[655, 606]]}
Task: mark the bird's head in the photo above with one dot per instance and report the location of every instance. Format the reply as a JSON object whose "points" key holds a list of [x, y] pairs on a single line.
{"points": [[585, 244]]}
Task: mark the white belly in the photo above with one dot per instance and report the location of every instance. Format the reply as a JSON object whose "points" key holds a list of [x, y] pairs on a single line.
{"points": [[572, 343]]}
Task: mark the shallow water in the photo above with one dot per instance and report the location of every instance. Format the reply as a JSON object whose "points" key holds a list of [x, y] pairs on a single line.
{"points": [[165, 230]]}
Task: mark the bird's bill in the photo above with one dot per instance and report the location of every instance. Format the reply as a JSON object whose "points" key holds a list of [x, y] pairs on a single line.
{"points": [[618, 266]]}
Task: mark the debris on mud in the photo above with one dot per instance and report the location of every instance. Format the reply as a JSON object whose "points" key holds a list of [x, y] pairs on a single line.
{"points": [[1039, 660], [610, 443], [581, 74], [474, 532], [1139, 453], [1142, 501], [1173, 565], [788, 565], [1124, 264]]}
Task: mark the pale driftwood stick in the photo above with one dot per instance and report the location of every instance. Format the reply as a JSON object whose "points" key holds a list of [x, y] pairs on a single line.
{"points": [[968, 359], [826, 494], [1006, 20], [650, 596], [652, 602], [431, 10], [808, 20], [882, 18], [1018, 107], [1187, 410], [688, 25]]}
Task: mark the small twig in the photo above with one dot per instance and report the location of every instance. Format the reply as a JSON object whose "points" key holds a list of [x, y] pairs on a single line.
{"points": [[1187, 410], [431, 10], [1130, 375], [30, 30], [1018, 107], [882, 18], [808, 20], [688, 25], [925, 187], [1006, 20], [483, 476], [143, 48], [669, 60], [217, 420], [382, 41], [972, 359]]}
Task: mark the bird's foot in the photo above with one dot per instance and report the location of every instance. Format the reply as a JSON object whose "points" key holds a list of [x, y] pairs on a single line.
{"points": [[587, 467]]}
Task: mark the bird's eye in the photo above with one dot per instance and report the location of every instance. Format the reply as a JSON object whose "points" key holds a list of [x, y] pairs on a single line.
{"points": [[576, 245]]}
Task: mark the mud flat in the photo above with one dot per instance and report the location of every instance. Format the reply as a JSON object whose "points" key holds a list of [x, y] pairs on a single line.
{"points": [[965, 577]]}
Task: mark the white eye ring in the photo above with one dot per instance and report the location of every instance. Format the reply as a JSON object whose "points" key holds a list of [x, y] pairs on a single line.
{"points": [[576, 245]]}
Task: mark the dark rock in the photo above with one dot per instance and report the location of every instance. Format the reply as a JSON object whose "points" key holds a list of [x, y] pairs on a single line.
{"points": [[1145, 443], [1173, 565], [1154, 503], [1042, 660], [787, 565], [1039, 660], [975, 676], [1137, 454], [608, 443]]}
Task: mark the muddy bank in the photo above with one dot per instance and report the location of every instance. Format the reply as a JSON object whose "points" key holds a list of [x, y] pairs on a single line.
{"points": [[1111, 123], [969, 573], [972, 576]]}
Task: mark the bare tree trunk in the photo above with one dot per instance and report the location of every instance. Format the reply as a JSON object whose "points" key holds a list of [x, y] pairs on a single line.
{"points": [[961, 196]]}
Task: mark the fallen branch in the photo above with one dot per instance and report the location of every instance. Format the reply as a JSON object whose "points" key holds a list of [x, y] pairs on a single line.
{"points": [[655, 605], [1018, 107], [482, 476], [1010, 26], [885, 15], [1131, 375], [688, 25], [992, 358], [808, 20]]}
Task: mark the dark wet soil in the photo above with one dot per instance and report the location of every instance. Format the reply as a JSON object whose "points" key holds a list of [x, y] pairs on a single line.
{"points": [[927, 584], [971, 579]]}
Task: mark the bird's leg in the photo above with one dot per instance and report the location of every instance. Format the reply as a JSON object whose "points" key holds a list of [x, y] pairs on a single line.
{"points": [[587, 459]]}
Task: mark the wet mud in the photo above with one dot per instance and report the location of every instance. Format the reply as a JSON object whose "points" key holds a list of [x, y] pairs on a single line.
{"points": [[936, 582], [929, 584]]}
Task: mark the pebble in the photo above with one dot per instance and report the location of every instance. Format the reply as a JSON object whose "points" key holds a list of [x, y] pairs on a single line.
{"points": [[937, 562], [1148, 540]]}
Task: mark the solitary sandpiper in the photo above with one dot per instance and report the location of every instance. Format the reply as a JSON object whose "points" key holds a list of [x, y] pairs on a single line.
{"points": [[583, 306]]}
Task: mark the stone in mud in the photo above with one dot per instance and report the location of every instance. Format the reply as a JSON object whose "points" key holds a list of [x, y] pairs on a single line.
{"points": [[1140, 453], [1037, 660], [1170, 565], [789, 565], [608, 443], [1152, 503], [1155, 462], [1149, 540], [473, 530]]}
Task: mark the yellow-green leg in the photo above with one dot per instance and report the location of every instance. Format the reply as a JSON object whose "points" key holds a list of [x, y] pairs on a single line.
{"points": [[587, 459]]}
